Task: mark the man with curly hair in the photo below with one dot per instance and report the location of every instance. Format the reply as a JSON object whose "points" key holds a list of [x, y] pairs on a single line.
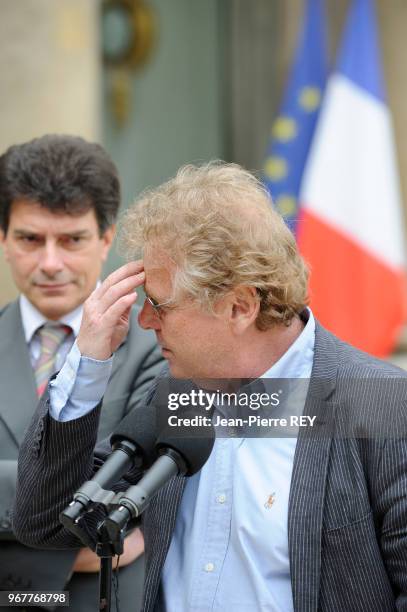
{"points": [[305, 522]]}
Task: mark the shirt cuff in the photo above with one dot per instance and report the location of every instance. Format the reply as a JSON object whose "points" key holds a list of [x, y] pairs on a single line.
{"points": [[79, 386]]}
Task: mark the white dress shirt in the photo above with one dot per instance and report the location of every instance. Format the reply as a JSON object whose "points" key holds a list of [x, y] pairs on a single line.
{"points": [[32, 320]]}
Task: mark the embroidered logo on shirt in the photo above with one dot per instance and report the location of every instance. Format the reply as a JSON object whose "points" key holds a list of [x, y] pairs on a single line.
{"points": [[270, 501]]}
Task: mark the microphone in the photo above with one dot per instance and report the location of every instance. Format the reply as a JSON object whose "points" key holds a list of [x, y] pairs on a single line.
{"points": [[139, 428], [184, 452], [133, 444]]}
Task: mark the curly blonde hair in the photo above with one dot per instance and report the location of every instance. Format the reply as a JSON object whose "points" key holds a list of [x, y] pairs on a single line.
{"points": [[217, 223]]}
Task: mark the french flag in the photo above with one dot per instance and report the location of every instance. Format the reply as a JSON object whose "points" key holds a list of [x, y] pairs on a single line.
{"points": [[350, 227]]}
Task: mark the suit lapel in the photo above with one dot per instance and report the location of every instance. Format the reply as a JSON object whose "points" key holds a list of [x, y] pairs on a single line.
{"points": [[305, 512], [17, 382]]}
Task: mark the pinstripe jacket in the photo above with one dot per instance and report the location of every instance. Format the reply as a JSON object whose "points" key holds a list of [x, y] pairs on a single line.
{"points": [[347, 519]]}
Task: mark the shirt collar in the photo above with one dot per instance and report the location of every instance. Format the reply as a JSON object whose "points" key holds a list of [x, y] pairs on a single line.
{"points": [[297, 361], [32, 319]]}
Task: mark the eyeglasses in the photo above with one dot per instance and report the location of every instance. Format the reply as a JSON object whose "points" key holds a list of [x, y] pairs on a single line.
{"points": [[157, 306]]}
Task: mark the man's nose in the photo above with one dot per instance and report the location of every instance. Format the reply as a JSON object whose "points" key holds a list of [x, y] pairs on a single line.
{"points": [[51, 261], [148, 318]]}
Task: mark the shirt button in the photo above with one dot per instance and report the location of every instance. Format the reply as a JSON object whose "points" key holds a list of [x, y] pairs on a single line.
{"points": [[221, 498], [209, 567]]}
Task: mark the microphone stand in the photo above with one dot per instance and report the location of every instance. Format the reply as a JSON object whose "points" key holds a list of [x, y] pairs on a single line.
{"points": [[86, 498], [124, 507], [106, 549], [108, 545]]}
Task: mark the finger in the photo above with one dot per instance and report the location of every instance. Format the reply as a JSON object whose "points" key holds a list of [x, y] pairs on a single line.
{"points": [[118, 309], [115, 292], [130, 269], [123, 284]]}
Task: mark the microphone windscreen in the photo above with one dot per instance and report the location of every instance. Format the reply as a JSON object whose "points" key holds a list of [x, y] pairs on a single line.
{"points": [[193, 443], [139, 427]]}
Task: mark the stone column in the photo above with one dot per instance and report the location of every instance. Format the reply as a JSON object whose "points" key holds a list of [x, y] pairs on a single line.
{"points": [[50, 75]]}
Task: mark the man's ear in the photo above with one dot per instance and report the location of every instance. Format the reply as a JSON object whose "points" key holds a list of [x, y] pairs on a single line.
{"points": [[245, 308], [107, 239]]}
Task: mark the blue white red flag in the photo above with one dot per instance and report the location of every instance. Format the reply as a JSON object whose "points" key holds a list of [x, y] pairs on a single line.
{"points": [[350, 230]]}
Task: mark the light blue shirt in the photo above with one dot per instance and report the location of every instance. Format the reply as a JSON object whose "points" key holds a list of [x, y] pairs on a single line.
{"points": [[229, 550], [79, 386]]}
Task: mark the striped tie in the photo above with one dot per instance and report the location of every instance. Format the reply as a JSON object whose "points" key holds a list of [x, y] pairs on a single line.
{"points": [[51, 336]]}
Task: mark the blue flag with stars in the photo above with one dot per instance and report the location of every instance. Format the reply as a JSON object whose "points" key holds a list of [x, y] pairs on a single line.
{"points": [[292, 131]]}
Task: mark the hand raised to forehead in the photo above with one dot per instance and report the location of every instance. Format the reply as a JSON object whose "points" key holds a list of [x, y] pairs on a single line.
{"points": [[106, 312]]}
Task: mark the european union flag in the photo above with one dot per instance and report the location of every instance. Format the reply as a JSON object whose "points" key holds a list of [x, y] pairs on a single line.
{"points": [[292, 131]]}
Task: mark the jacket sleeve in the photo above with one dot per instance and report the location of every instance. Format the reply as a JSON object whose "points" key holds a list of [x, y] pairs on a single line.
{"points": [[56, 458]]}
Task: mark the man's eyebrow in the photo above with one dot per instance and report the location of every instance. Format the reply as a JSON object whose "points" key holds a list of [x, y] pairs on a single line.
{"points": [[25, 232], [76, 233], [72, 234]]}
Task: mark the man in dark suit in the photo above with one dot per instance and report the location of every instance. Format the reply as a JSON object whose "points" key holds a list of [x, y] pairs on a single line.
{"points": [[311, 521], [59, 198]]}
